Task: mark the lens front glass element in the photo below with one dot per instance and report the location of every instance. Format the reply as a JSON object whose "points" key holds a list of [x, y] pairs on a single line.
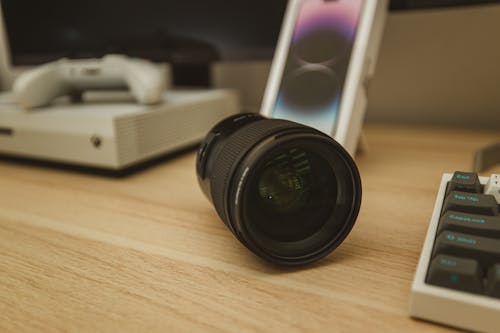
{"points": [[293, 195]]}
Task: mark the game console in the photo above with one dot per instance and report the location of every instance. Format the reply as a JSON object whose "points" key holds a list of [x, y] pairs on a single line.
{"points": [[39, 86], [325, 56], [108, 131]]}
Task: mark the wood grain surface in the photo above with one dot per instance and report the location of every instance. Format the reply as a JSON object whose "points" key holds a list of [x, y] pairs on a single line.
{"points": [[83, 252]]}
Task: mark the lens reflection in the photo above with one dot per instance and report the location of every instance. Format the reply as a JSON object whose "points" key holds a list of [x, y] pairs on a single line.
{"points": [[294, 196], [285, 184]]}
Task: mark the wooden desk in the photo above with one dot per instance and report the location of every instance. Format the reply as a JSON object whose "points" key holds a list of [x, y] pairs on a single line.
{"points": [[81, 252]]}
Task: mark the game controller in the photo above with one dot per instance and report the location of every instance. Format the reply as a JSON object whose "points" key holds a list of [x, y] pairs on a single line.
{"points": [[38, 87]]}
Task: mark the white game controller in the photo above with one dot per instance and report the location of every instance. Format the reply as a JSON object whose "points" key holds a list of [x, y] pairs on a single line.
{"points": [[146, 81]]}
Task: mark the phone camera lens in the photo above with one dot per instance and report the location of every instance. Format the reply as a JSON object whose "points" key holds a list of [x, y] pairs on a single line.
{"points": [[288, 192]]}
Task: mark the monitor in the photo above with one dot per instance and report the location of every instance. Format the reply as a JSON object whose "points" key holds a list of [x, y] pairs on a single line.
{"points": [[238, 37], [188, 34]]}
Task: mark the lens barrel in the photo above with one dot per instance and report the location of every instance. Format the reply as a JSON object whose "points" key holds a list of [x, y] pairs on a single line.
{"points": [[288, 192]]}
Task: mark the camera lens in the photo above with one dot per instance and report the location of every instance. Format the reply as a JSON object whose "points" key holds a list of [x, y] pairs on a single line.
{"points": [[288, 192]]}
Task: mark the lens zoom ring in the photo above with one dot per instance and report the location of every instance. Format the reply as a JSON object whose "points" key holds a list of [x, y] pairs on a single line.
{"points": [[234, 150]]}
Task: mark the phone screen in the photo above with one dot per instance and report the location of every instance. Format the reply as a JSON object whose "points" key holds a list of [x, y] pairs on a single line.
{"points": [[317, 62]]}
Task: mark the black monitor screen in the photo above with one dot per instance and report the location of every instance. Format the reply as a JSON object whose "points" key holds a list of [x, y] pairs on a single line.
{"points": [[427, 4], [185, 31]]}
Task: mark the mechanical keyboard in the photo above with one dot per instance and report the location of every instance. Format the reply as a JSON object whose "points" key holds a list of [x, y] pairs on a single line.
{"points": [[457, 281]]}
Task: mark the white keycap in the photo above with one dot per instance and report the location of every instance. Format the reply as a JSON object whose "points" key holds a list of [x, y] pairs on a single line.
{"points": [[493, 187]]}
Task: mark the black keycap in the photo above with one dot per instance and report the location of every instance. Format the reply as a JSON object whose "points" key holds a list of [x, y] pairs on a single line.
{"points": [[481, 225], [455, 273], [482, 204], [493, 285], [485, 250], [465, 182]]}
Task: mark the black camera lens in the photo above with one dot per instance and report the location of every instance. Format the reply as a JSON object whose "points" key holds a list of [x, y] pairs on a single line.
{"points": [[288, 192]]}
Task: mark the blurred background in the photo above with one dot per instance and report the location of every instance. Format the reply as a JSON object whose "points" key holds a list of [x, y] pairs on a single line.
{"points": [[439, 62]]}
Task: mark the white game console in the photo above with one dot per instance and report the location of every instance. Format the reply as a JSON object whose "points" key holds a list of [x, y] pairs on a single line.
{"points": [[109, 133], [39, 86], [325, 57]]}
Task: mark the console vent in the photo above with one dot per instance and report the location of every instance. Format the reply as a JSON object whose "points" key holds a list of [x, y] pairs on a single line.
{"points": [[168, 128]]}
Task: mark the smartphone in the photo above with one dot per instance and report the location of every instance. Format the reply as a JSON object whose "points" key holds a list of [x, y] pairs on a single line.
{"points": [[321, 65]]}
